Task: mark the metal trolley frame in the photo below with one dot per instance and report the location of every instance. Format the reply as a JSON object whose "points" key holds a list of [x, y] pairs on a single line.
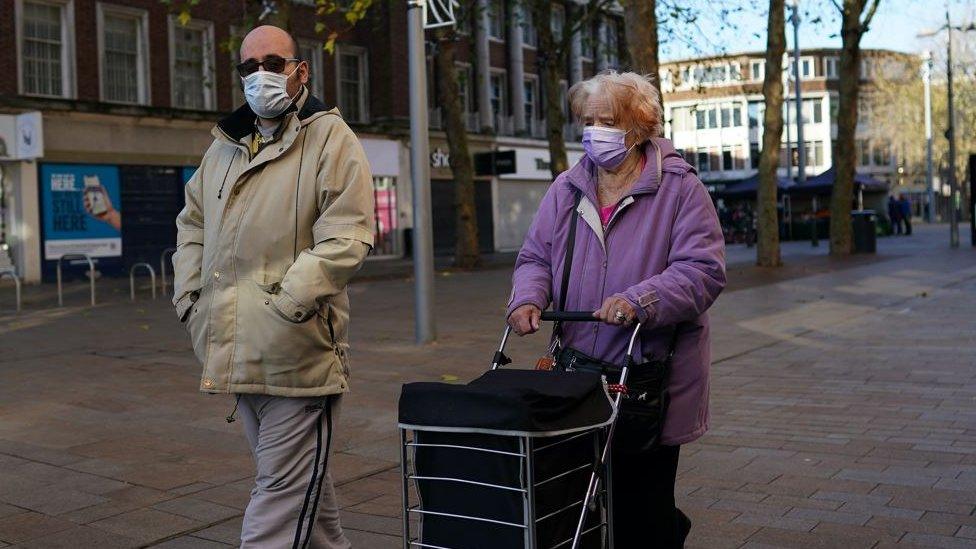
{"points": [[597, 498]]}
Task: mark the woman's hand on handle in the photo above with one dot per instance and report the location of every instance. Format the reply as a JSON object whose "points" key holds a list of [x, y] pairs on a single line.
{"points": [[616, 311], [525, 320]]}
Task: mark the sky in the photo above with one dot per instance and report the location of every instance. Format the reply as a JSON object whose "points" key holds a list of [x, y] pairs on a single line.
{"points": [[895, 26]]}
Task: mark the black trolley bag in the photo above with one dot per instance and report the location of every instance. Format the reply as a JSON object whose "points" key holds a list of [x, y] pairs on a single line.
{"points": [[514, 459]]}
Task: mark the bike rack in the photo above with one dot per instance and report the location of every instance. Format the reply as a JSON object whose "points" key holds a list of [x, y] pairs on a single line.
{"points": [[91, 275], [16, 278], [162, 267], [132, 280]]}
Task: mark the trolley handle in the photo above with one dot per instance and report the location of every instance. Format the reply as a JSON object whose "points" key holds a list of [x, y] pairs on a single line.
{"points": [[500, 359], [569, 316]]}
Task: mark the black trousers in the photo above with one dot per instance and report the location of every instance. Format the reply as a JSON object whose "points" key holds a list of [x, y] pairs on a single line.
{"points": [[644, 514]]}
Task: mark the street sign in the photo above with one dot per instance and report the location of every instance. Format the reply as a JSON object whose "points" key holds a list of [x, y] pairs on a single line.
{"points": [[21, 136], [494, 163]]}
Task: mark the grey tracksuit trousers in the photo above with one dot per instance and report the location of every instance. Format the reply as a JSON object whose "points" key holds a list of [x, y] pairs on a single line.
{"points": [[292, 503]]}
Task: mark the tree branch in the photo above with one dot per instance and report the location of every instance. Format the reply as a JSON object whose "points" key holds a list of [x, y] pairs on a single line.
{"points": [[871, 11]]}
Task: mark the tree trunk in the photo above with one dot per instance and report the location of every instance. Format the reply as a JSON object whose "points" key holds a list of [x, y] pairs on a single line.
{"points": [[767, 246], [845, 152], [466, 253], [641, 31], [550, 60]]}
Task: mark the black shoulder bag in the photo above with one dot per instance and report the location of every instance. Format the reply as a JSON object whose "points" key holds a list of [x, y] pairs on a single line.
{"points": [[645, 404]]}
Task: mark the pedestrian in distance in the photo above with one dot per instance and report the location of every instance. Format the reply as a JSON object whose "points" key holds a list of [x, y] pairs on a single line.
{"points": [[905, 207], [649, 249], [278, 219], [894, 214]]}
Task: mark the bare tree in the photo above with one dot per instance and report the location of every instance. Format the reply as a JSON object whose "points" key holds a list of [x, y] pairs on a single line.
{"points": [[640, 23], [856, 18], [466, 252], [767, 249], [552, 60]]}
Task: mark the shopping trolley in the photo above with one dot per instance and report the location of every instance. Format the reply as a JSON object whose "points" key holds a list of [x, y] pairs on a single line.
{"points": [[514, 459]]}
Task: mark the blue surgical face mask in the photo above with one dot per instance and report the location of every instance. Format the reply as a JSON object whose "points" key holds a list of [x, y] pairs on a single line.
{"points": [[606, 147]]}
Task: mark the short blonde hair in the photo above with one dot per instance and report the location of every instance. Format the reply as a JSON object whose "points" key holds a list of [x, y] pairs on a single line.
{"points": [[633, 99]]}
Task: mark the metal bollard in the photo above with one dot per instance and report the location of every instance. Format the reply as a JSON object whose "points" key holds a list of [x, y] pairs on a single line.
{"points": [[162, 267], [132, 280], [91, 276], [16, 278]]}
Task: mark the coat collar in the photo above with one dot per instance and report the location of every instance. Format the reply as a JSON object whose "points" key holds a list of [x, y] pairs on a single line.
{"points": [[240, 123], [583, 175]]}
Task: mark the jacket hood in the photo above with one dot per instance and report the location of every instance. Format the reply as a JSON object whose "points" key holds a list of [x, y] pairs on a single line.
{"points": [[582, 175], [240, 123]]}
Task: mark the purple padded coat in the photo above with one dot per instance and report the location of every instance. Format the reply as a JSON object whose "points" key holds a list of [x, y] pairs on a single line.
{"points": [[663, 251]]}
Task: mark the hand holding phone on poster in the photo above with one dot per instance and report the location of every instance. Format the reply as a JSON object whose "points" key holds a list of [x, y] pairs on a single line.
{"points": [[98, 204]]}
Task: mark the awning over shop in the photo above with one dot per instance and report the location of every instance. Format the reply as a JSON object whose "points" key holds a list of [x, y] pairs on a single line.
{"points": [[824, 182], [818, 184], [748, 187]]}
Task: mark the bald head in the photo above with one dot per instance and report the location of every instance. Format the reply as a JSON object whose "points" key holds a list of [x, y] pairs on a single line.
{"points": [[266, 40]]}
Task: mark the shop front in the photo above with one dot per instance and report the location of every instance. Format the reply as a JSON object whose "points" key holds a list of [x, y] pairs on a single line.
{"points": [[518, 194]]}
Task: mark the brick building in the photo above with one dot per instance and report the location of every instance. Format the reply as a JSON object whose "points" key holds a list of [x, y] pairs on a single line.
{"points": [[127, 97]]}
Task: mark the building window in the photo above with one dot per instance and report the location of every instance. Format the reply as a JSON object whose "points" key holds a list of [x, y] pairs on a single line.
{"points": [[464, 83], [806, 68], [830, 67], [531, 100], [816, 106], [754, 154], [385, 198], [727, 158], [311, 53], [612, 43], [863, 152], [680, 117], [47, 61], [712, 118], [558, 22], [588, 41], [757, 69], [191, 57], [702, 161], [714, 159], [530, 37], [726, 116], [755, 112], [351, 82], [496, 20], [498, 94], [123, 53]]}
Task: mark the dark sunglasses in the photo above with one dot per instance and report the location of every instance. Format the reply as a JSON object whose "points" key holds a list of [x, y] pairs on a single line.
{"points": [[271, 63]]}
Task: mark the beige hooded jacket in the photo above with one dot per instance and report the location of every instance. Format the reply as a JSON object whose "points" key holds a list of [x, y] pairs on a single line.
{"points": [[266, 246]]}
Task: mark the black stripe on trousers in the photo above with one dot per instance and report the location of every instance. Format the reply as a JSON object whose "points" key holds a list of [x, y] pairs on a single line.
{"points": [[327, 410]]}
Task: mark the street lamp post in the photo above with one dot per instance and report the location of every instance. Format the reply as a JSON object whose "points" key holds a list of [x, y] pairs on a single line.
{"points": [[801, 147], [929, 180], [423, 234]]}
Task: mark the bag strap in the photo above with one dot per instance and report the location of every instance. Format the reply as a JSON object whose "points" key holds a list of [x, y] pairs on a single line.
{"points": [[568, 261]]}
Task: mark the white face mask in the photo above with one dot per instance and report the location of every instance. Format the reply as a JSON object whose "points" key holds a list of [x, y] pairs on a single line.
{"points": [[267, 93]]}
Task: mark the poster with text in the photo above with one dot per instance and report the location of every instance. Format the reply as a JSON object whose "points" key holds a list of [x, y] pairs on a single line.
{"points": [[81, 210]]}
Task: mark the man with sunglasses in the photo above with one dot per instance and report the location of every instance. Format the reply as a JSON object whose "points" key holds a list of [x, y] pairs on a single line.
{"points": [[278, 218]]}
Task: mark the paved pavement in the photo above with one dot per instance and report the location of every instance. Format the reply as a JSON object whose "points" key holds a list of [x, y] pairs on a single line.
{"points": [[843, 409]]}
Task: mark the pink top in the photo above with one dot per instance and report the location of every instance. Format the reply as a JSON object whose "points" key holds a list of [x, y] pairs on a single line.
{"points": [[606, 213]]}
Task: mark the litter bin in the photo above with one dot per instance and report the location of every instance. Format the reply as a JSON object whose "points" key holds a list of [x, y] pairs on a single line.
{"points": [[865, 235]]}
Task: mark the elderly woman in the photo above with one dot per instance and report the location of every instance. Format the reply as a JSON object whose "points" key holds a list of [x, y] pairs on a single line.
{"points": [[648, 248]]}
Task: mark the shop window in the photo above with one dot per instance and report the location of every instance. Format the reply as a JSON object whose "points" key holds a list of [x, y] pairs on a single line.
{"points": [[384, 193]]}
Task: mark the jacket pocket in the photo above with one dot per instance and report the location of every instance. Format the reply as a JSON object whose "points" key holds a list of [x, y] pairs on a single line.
{"points": [[277, 351], [197, 322]]}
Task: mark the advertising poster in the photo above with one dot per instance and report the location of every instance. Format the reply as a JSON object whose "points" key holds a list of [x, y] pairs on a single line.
{"points": [[188, 172], [81, 205]]}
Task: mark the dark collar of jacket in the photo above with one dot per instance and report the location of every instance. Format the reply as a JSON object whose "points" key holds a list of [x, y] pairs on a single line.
{"points": [[240, 123]]}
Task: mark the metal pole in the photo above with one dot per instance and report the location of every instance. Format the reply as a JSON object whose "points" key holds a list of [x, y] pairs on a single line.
{"points": [[951, 134], [800, 145], [423, 234], [929, 181]]}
